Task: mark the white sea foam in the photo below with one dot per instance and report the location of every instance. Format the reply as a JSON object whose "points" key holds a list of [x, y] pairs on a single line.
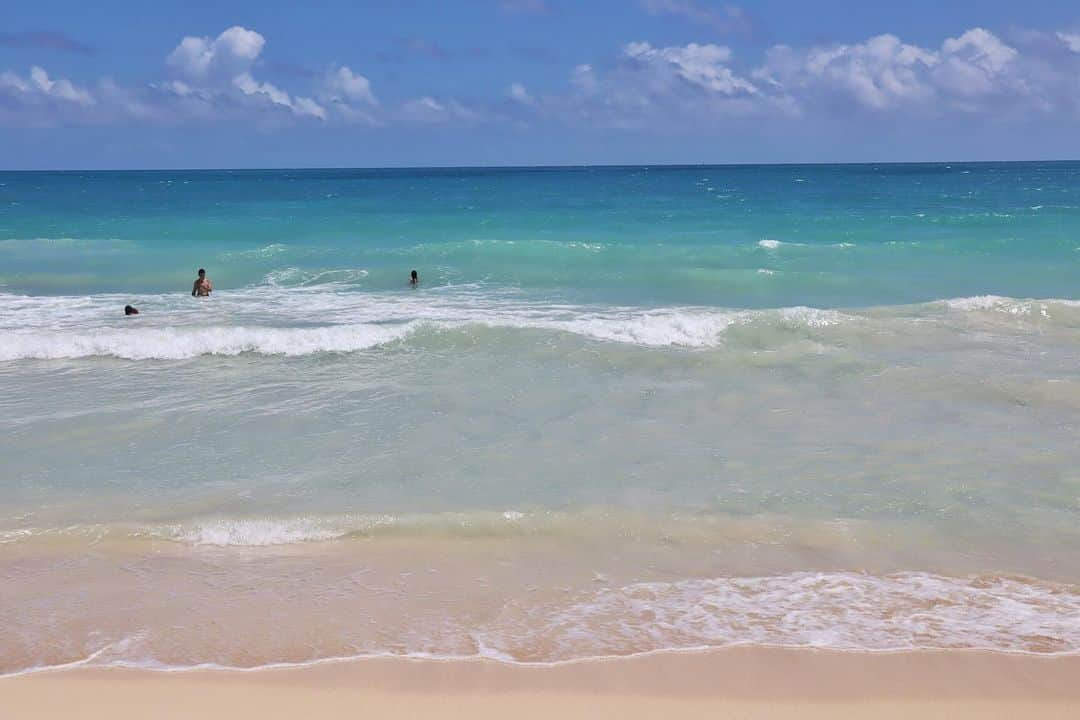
{"points": [[839, 611], [977, 302], [269, 251], [292, 276], [269, 531], [188, 342], [675, 327], [687, 328], [304, 321], [1009, 306], [261, 532], [811, 317], [770, 244]]}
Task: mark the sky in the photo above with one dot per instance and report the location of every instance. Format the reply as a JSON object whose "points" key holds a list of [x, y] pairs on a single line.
{"points": [[381, 83]]}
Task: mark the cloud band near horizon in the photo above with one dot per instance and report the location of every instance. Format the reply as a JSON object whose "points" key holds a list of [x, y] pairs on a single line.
{"points": [[640, 85]]}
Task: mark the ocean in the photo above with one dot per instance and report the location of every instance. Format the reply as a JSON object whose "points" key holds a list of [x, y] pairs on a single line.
{"points": [[627, 410]]}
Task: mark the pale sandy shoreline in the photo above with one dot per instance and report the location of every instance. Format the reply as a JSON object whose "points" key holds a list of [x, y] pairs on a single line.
{"points": [[734, 682]]}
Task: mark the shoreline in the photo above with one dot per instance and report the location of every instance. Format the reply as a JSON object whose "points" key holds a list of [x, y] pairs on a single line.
{"points": [[87, 663], [743, 681]]}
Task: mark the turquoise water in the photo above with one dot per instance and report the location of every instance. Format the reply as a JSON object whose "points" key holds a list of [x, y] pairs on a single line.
{"points": [[853, 235], [627, 409]]}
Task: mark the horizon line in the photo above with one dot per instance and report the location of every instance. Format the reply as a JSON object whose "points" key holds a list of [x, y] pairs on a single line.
{"points": [[551, 166]]}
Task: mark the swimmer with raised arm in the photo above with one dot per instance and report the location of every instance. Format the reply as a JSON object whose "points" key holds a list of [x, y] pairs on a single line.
{"points": [[202, 287]]}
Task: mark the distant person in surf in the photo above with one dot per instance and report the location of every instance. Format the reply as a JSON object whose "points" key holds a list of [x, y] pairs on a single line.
{"points": [[414, 279], [131, 310], [202, 287]]}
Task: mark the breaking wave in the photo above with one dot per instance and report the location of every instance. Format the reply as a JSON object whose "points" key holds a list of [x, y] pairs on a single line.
{"points": [[689, 328], [185, 343], [771, 244], [324, 320]]}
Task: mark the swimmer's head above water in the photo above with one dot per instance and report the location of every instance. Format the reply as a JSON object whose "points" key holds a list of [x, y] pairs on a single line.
{"points": [[131, 310]]}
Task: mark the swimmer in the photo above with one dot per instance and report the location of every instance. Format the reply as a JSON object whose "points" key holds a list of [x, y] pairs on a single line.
{"points": [[414, 279], [202, 287], [131, 310]]}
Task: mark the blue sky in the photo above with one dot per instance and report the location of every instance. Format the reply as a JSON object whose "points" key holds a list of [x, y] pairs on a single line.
{"points": [[519, 82]]}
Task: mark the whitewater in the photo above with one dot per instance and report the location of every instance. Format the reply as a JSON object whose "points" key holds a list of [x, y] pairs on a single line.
{"points": [[330, 319]]}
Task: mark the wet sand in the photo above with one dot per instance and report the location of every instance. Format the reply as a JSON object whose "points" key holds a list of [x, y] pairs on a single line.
{"points": [[735, 682]]}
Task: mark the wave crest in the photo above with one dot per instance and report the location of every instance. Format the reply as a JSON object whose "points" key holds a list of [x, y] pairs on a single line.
{"points": [[186, 343], [325, 320]]}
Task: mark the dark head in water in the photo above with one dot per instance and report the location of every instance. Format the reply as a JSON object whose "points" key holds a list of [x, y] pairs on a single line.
{"points": [[129, 310], [414, 279]]}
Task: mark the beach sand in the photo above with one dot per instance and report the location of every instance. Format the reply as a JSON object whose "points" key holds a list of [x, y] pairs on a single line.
{"points": [[736, 682]]}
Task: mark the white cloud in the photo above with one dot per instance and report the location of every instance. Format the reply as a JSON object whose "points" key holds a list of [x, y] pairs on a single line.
{"points": [[214, 80], [38, 86], [249, 86], [641, 85], [229, 54], [879, 73], [343, 85], [38, 100], [980, 48], [699, 65], [883, 73], [424, 109], [12, 81], [213, 70], [700, 84], [518, 93], [1071, 40], [660, 87], [307, 106], [583, 79], [180, 87], [428, 110], [349, 96], [976, 63], [301, 106]]}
